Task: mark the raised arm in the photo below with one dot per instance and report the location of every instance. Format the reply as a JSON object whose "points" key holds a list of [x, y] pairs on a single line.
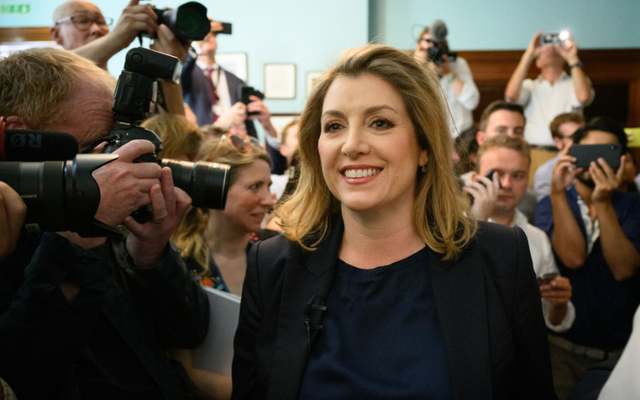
{"points": [[512, 92], [567, 240], [581, 83], [135, 19], [621, 256]]}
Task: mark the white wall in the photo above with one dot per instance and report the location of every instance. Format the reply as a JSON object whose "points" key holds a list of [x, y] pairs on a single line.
{"points": [[507, 24], [308, 33]]}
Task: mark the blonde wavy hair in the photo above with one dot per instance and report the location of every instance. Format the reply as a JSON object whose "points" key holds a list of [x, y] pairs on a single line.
{"points": [[188, 235], [35, 84], [442, 215]]}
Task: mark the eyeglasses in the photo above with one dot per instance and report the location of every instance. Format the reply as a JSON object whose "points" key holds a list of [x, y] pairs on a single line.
{"points": [[83, 23], [241, 144]]}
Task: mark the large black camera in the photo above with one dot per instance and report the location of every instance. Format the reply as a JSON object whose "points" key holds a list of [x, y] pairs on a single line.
{"points": [[62, 195], [436, 54], [207, 183], [187, 22]]}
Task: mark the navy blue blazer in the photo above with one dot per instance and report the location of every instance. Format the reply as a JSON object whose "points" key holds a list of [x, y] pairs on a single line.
{"points": [[487, 300]]}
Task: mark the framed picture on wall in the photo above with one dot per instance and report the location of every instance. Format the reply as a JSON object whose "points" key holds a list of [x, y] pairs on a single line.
{"points": [[236, 63], [312, 79], [280, 81]]}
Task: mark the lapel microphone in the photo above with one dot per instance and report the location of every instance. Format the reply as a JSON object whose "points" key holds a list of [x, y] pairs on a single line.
{"points": [[315, 303]]}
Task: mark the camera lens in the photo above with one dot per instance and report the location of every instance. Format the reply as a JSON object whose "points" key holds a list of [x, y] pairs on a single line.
{"points": [[42, 188], [207, 183]]}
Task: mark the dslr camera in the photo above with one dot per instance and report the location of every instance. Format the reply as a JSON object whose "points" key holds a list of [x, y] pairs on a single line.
{"points": [[61, 194], [187, 22]]}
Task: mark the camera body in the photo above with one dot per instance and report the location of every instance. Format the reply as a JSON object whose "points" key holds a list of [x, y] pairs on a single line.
{"points": [[554, 38], [436, 54], [245, 91]]}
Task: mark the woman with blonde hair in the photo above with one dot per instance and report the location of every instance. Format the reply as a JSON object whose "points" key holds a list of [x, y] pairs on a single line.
{"points": [[384, 285]]}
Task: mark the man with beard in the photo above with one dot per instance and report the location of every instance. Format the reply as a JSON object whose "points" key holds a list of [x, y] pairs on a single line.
{"points": [[595, 235]]}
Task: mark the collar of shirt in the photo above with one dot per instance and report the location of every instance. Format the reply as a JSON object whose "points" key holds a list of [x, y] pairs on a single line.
{"points": [[519, 220], [563, 76], [592, 228]]}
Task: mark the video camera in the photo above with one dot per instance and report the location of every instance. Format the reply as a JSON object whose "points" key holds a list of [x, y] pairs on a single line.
{"points": [[61, 194], [436, 53]]}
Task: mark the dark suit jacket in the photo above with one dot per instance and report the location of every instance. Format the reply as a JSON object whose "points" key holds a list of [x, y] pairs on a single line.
{"points": [[487, 300], [45, 343], [196, 93]]}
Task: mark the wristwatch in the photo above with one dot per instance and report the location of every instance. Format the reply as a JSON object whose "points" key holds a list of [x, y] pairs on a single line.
{"points": [[578, 64]]}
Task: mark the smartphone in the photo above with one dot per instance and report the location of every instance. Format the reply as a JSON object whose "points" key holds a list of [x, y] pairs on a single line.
{"points": [[586, 153], [489, 175], [633, 137], [547, 278]]}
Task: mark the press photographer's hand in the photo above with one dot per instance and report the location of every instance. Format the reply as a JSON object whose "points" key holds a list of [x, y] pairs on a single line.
{"points": [[147, 242], [125, 185], [135, 18]]}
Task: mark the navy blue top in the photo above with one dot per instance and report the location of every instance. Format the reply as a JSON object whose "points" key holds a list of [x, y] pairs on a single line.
{"points": [[604, 306], [382, 338]]}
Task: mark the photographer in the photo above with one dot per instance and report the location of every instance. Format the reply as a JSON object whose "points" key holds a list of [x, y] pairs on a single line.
{"points": [[93, 317], [455, 76], [595, 235], [212, 93], [553, 92]]}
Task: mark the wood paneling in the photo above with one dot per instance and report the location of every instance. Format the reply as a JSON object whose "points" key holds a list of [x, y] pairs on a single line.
{"points": [[39, 34], [615, 74]]}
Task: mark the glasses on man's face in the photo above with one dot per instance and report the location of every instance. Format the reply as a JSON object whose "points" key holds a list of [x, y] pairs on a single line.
{"points": [[83, 23]]}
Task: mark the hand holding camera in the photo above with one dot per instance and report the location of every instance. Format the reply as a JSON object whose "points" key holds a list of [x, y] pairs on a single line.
{"points": [[12, 213], [147, 241], [135, 18], [555, 289]]}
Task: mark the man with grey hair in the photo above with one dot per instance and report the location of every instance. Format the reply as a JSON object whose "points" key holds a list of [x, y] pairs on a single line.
{"points": [[93, 317]]}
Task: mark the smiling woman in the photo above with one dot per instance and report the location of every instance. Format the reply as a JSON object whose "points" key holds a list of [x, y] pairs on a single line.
{"points": [[384, 285]]}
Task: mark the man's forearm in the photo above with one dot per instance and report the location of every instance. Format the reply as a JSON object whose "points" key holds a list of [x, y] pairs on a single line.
{"points": [[621, 256], [99, 50], [581, 85], [567, 239], [512, 92], [557, 313]]}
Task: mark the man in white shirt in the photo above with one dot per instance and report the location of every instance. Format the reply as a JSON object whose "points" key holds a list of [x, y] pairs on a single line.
{"points": [[554, 91], [510, 159], [456, 80]]}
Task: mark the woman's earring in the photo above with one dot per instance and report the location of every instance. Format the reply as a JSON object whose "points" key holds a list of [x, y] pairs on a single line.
{"points": [[424, 169]]}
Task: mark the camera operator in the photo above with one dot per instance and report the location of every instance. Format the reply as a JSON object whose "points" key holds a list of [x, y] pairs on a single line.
{"points": [[12, 213], [93, 317], [212, 93], [553, 92], [455, 76], [80, 26]]}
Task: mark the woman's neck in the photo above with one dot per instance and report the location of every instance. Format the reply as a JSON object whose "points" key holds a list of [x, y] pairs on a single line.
{"points": [[224, 240], [373, 240]]}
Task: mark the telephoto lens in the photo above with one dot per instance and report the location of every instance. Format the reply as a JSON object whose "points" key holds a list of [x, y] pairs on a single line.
{"points": [[206, 182]]}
